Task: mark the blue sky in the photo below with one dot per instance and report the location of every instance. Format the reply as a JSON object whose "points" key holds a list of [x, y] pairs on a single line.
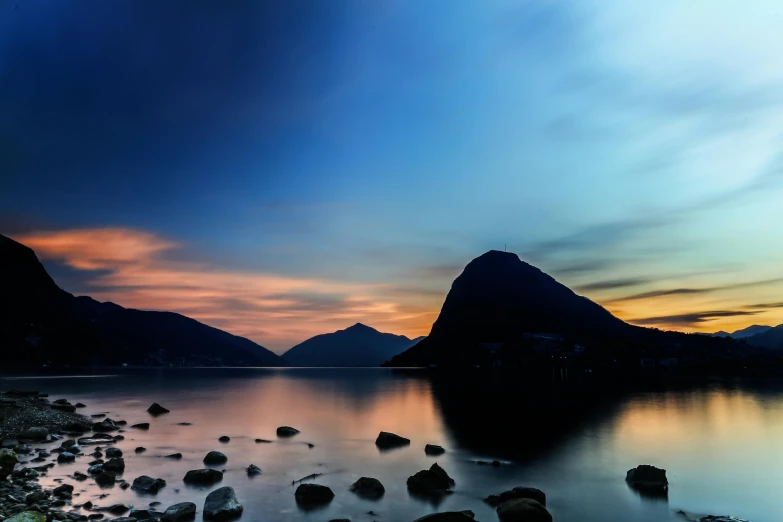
{"points": [[279, 169]]}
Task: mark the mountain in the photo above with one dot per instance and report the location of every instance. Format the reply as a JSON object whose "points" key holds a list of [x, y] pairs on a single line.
{"points": [[358, 345], [771, 338], [40, 322], [750, 331], [497, 299], [720, 334]]}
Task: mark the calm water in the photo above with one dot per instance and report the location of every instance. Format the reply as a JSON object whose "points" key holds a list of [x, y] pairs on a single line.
{"points": [[721, 441]]}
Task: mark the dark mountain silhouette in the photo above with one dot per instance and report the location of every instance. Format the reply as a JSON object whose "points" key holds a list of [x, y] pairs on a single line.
{"points": [[359, 345], [40, 322], [750, 331], [721, 333], [502, 305], [772, 338]]}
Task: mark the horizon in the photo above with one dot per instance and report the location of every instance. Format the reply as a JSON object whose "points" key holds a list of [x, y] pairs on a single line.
{"points": [[281, 171]]}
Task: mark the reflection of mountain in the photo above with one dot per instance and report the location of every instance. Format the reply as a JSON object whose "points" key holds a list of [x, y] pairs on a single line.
{"points": [[39, 322], [358, 345]]}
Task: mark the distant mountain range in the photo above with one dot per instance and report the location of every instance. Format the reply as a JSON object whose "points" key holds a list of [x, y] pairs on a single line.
{"points": [[40, 323], [358, 345], [745, 333], [501, 306]]}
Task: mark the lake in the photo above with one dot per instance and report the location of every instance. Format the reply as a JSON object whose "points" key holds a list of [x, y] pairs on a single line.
{"points": [[721, 440]]}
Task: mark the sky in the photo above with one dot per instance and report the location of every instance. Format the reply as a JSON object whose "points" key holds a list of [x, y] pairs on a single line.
{"points": [[283, 169]]}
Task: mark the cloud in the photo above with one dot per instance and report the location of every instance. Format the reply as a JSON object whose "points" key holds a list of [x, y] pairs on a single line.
{"points": [[687, 291], [612, 284], [138, 269], [763, 306], [688, 319]]}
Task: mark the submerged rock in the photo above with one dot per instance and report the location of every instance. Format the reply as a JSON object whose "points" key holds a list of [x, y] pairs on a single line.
{"points": [[523, 510], [146, 484], [253, 470], [118, 509], [222, 504], [157, 409], [181, 512], [519, 492], [263, 441], [141, 426], [368, 487], [175, 456], [433, 481], [386, 440], [8, 459], [203, 477], [286, 431], [215, 457], [433, 449], [448, 516], [313, 494], [647, 477]]}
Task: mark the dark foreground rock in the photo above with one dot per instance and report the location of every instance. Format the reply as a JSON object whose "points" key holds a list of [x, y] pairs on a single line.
{"points": [[433, 481], [433, 449], [225, 439], [523, 510], [368, 487], [8, 460], [203, 477], [519, 492], [253, 470], [448, 516], [157, 409], [286, 431], [386, 440], [215, 457], [106, 479], [313, 495], [149, 485], [181, 512], [27, 516], [647, 477], [222, 504]]}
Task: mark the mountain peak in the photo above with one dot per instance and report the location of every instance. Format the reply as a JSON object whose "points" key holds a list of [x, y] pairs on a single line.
{"points": [[360, 327]]}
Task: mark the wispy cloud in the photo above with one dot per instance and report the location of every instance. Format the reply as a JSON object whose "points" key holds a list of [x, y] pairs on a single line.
{"points": [[688, 319], [613, 284], [705, 290]]}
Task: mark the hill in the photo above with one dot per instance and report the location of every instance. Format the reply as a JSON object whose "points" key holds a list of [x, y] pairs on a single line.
{"points": [[358, 345], [41, 323], [770, 338]]}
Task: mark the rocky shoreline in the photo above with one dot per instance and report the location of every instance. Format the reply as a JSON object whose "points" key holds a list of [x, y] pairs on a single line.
{"points": [[30, 419]]}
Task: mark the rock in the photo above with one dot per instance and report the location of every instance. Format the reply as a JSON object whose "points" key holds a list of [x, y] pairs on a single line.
{"points": [[122, 422], [67, 443], [181, 512], [79, 405], [263, 441], [432, 449], [75, 449], [448, 516], [64, 407], [79, 476], [105, 479], [8, 459], [34, 433], [519, 492], [87, 505], [140, 449], [157, 409], [95, 469], [27, 516], [723, 518], [647, 477], [313, 494], [431, 481], [253, 470], [368, 487], [388, 440], [116, 465], [118, 509], [286, 431], [64, 488], [143, 514], [65, 456], [118, 438], [523, 510], [98, 438], [184, 424], [106, 425], [77, 426], [142, 426], [222, 504], [95, 516], [97, 415], [495, 463], [203, 477], [145, 484], [35, 496], [176, 456], [215, 457], [113, 452]]}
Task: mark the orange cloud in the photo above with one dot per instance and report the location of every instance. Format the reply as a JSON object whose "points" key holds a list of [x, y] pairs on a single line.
{"points": [[130, 267]]}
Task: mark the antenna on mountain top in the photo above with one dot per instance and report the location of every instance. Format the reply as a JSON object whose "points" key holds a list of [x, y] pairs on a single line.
{"points": [[504, 248]]}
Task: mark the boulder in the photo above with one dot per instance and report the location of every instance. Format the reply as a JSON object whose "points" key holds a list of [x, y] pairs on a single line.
{"points": [[105, 426], [368, 487], [65, 456], [118, 509], [149, 485], [523, 510], [34, 433], [431, 481], [27, 516], [141, 426], [313, 494], [519, 492], [60, 490], [433, 449], [386, 440], [113, 452], [144, 514], [8, 459], [647, 477], [157, 409], [214, 458], [222, 504], [253, 470], [181, 512], [95, 469], [35, 496], [448, 516], [203, 477], [105, 479], [286, 431], [116, 465]]}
